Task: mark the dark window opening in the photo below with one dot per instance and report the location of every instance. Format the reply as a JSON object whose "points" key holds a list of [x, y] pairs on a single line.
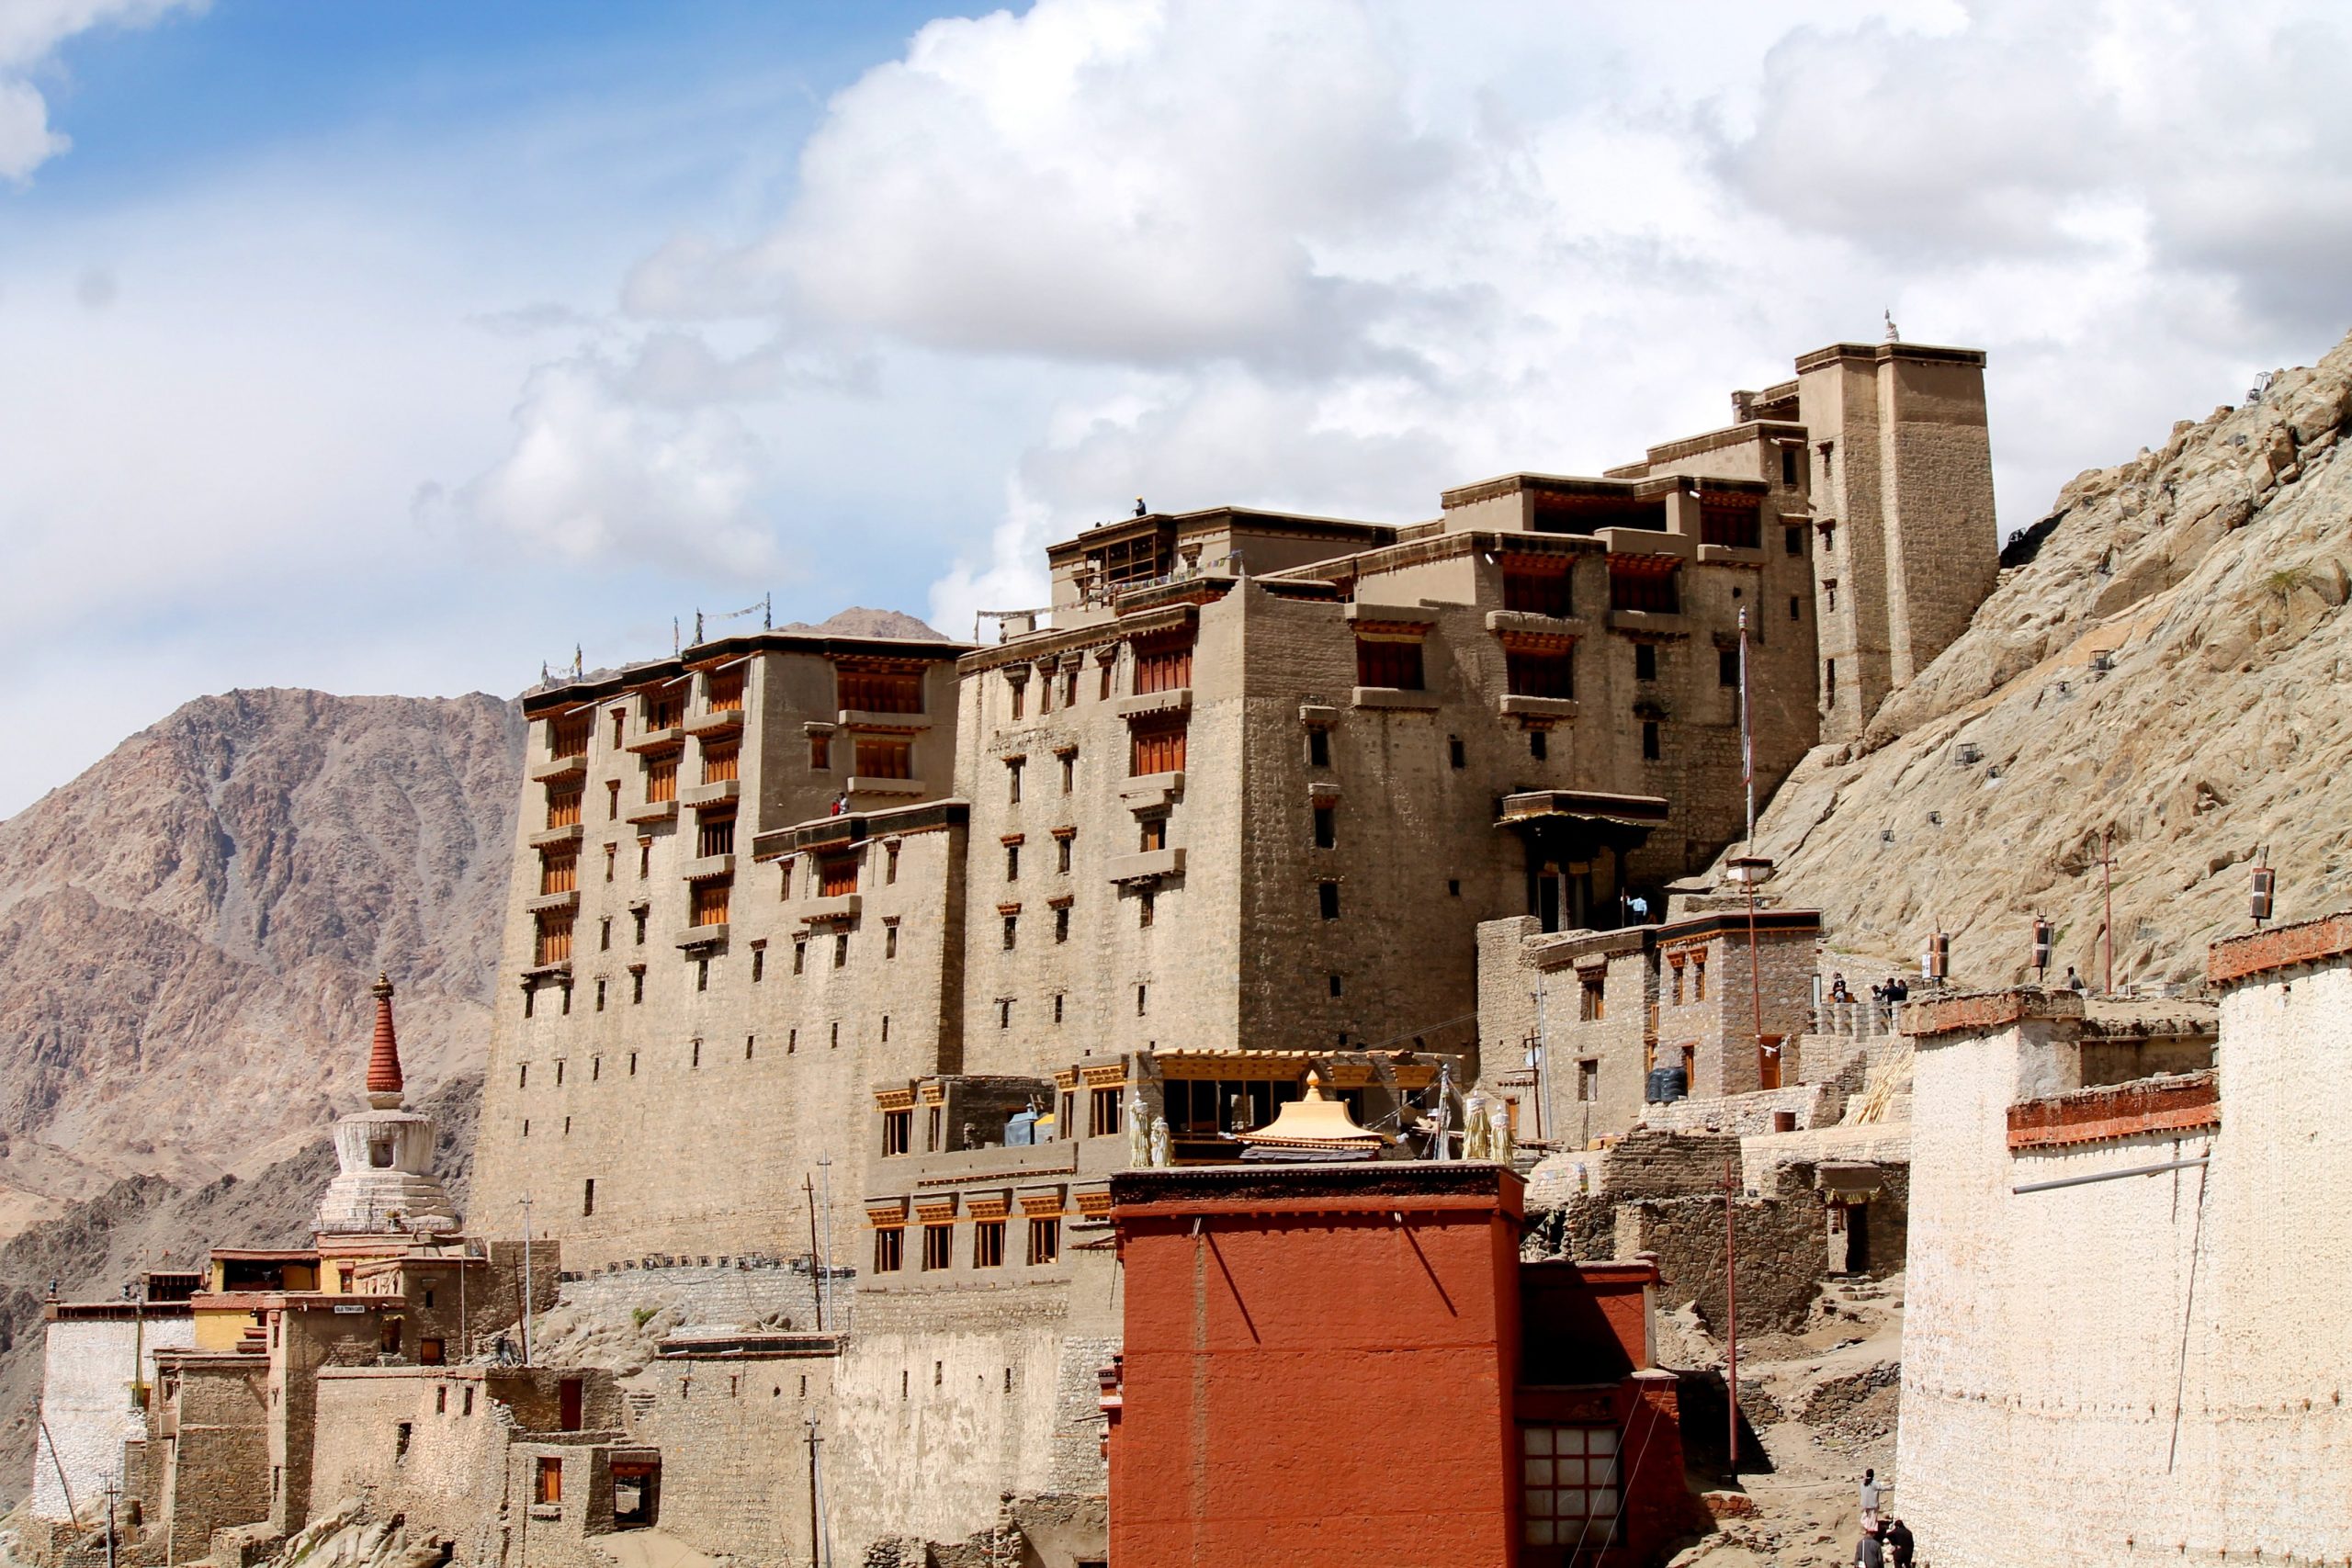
{"points": [[1646, 661], [1326, 895], [1530, 672], [1327, 826], [1389, 663]]}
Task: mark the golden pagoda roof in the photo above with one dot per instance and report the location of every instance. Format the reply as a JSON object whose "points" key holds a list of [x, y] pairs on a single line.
{"points": [[1314, 1122]]}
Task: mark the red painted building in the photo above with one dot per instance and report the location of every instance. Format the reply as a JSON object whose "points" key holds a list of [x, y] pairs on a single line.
{"points": [[1348, 1364]]}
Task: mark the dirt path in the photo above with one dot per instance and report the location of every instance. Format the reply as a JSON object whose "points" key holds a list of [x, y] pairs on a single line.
{"points": [[1823, 1401]]}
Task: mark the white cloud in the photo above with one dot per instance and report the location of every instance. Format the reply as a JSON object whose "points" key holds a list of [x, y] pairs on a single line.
{"points": [[1094, 179], [30, 31], [595, 474]]}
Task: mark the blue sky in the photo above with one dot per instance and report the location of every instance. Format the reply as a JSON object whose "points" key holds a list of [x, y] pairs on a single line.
{"points": [[392, 347]]}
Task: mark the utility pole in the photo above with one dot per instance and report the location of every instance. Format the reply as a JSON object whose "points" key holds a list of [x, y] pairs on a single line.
{"points": [[113, 1491], [808, 1185], [1751, 870], [825, 1169], [1747, 740], [58, 1463], [816, 1504], [1731, 1310], [528, 1293], [2106, 871]]}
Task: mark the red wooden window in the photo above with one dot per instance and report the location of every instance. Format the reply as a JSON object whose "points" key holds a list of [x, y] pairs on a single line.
{"points": [[836, 875], [1643, 588], [560, 872], [727, 690], [709, 905], [715, 834], [1735, 522], [1158, 748], [720, 763], [661, 780], [563, 809], [1382, 662], [1539, 673], [554, 938], [663, 708], [866, 689], [568, 736], [1536, 591], [1164, 665], [885, 758]]}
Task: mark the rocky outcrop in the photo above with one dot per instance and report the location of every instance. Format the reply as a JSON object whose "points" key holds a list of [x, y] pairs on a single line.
{"points": [[859, 621], [188, 931], [2172, 665]]}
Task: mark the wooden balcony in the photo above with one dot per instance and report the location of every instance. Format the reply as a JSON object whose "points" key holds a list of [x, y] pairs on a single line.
{"points": [[1148, 866], [1406, 699], [539, 903], [669, 737], [710, 723], [555, 838], [653, 811], [703, 936], [695, 796], [1537, 707], [1178, 699], [706, 868], [552, 770], [858, 786], [841, 907], [1151, 792], [892, 723], [1528, 624]]}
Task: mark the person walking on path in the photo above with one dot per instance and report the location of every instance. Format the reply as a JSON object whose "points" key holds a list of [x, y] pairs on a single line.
{"points": [[1899, 1544], [1870, 1490], [1868, 1553]]}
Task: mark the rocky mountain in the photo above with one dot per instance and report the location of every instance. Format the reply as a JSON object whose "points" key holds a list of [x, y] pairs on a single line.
{"points": [[188, 933], [859, 621], [2167, 663]]}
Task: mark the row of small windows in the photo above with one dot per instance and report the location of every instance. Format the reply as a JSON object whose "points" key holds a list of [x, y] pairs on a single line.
{"points": [[987, 1244]]}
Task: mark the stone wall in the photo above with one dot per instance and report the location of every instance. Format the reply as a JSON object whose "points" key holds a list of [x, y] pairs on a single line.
{"points": [[733, 1434], [1780, 1252], [222, 1475], [2130, 1368], [89, 1365], [448, 1477], [945, 1401]]}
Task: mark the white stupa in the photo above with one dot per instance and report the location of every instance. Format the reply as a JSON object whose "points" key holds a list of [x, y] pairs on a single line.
{"points": [[386, 1185]]}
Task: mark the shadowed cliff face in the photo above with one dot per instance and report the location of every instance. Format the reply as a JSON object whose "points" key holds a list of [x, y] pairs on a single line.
{"points": [[187, 932], [2173, 664]]}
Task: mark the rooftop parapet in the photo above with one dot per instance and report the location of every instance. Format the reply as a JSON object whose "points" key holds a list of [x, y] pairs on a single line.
{"points": [[2242, 958]]}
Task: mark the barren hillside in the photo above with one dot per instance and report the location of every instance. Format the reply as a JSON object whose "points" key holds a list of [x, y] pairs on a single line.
{"points": [[188, 929], [2172, 664]]}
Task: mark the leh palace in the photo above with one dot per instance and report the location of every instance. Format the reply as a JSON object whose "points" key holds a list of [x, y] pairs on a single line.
{"points": [[1291, 1054]]}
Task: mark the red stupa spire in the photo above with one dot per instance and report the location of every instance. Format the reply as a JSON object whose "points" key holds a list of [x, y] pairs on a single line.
{"points": [[384, 1055]]}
